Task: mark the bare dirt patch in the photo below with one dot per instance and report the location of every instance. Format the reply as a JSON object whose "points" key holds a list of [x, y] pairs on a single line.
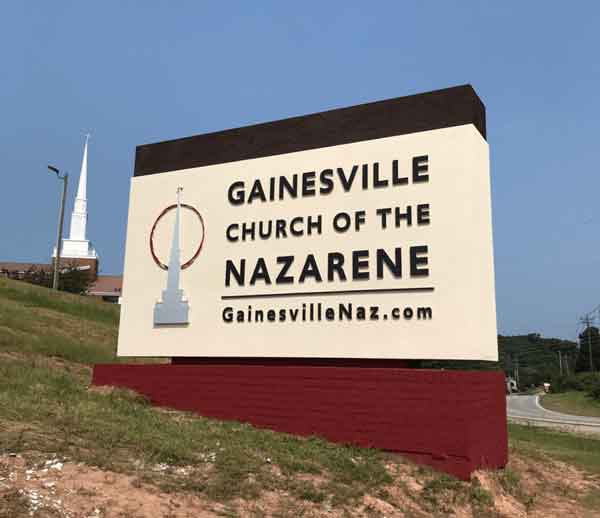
{"points": [[57, 487], [41, 485]]}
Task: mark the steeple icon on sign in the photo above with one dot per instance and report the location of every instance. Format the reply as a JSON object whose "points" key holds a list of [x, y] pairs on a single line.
{"points": [[173, 309]]}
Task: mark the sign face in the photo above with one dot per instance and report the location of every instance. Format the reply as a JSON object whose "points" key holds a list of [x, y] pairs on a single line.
{"points": [[380, 248]]}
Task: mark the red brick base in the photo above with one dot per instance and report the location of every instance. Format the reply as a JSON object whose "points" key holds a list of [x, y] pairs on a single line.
{"points": [[454, 421]]}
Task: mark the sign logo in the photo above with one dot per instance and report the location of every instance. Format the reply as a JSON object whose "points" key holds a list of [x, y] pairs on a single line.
{"points": [[173, 308]]}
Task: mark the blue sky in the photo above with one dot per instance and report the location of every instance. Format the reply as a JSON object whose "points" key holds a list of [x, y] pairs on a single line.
{"points": [[139, 72]]}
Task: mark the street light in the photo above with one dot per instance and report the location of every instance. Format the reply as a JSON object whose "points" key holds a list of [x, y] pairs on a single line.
{"points": [[65, 179]]}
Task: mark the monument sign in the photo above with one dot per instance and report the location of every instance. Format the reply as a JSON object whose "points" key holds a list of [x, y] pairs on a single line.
{"points": [[292, 269], [380, 248]]}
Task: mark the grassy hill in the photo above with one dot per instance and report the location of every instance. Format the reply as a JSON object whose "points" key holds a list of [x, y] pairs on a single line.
{"points": [[36, 321], [48, 342], [572, 402]]}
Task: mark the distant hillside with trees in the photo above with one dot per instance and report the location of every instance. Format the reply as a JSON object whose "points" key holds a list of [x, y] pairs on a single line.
{"points": [[532, 359]]}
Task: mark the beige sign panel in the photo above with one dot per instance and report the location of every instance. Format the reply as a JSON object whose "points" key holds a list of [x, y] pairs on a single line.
{"points": [[375, 249]]}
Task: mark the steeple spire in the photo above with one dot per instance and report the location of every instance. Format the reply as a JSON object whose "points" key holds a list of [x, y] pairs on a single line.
{"points": [[77, 246], [82, 188], [79, 216]]}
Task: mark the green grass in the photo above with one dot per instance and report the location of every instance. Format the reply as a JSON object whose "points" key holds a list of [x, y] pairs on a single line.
{"points": [[583, 452], [591, 499], [573, 402], [64, 417], [442, 493], [49, 340], [47, 406], [86, 308], [36, 321], [26, 330]]}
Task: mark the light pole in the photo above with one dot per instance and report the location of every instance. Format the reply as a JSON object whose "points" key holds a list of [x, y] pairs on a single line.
{"points": [[65, 179]]}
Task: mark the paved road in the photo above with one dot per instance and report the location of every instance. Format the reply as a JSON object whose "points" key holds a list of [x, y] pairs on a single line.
{"points": [[528, 408]]}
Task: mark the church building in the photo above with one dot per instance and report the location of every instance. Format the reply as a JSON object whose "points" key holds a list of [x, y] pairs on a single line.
{"points": [[76, 250]]}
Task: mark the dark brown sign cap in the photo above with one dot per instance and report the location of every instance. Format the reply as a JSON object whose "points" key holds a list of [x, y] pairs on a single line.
{"points": [[445, 108]]}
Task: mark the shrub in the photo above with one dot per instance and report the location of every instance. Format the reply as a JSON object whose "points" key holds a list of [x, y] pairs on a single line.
{"points": [[566, 383], [594, 389], [588, 382]]}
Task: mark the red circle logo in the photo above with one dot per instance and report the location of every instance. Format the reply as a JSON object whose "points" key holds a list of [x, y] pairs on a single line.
{"points": [[189, 262]]}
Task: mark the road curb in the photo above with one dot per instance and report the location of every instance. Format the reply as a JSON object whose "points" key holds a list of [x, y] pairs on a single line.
{"points": [[554, 421]]}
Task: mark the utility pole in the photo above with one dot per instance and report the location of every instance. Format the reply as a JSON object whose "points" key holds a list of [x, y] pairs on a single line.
{"points": [[61, 217], [560, 362], [587, 320]]}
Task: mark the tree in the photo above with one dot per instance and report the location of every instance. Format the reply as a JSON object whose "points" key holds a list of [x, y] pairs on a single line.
{"points": [[74, 280], [589, 335], [38, 276], [35, 274]]}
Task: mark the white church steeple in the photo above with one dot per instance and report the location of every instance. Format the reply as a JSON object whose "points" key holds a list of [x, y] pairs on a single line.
{"points": [[77, 246]]}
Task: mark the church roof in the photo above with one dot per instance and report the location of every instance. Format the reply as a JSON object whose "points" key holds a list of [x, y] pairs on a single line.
{"points": [[106, 285]]}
